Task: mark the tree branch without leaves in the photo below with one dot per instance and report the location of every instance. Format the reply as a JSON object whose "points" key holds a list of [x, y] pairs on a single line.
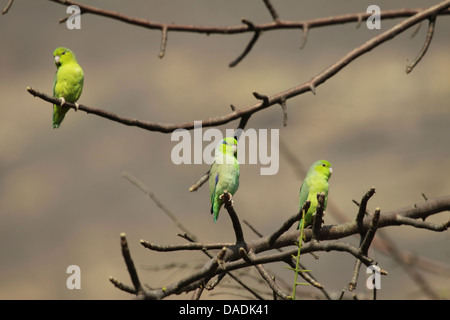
{"points": [[245, 254], [246, 26], [276, 99]]}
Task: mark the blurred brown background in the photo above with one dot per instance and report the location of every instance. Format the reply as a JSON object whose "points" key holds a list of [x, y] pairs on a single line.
{"points": [[63, 199]]}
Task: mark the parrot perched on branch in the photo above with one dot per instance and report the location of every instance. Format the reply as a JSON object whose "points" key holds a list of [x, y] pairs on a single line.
{"points": [[224, 173], [316, 181], [68, 82]]}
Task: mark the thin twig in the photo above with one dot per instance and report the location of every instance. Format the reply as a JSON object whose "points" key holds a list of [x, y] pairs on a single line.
{"points": [[305, 37], [263, 97], [365, 244], [423, 224], [431, 25], [184, 246], [416, 30], [284, 108], [247, 49], [199, 182], [122, 286], [130, 264], [363, 207], [272, 10], [366, 240], [7, 7], [197, 293], [163, 41]]}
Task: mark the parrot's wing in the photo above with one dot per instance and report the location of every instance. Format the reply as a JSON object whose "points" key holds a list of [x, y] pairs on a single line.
{"points": [[54, 82], [304, 192], [213, 194], [213, 180]]}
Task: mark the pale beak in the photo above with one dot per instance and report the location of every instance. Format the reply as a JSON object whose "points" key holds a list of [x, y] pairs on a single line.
{"points": [[57, 59], [331, 171]]}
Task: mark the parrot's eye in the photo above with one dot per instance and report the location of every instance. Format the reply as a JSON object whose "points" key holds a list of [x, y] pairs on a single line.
{"points": [[63, 53], [323, 165]]}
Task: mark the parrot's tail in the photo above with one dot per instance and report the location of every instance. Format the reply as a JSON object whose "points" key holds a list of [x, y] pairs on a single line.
{"points": [[214, 209], [58, 115]]}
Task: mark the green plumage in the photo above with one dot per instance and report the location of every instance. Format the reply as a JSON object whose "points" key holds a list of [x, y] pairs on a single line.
{"points": [[68, 82], [316, 181], [224, 174]]}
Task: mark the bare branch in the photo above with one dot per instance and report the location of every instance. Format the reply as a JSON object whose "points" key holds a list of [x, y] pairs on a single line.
{"points": [[431, 24], [249, 46], [231, 258], [272, 10], [423, 224], [365, 244], [272, 100], [122, 286], [184, 246], [287, 224], [197, 293], [7, 7], [391, 218], [263, 97], [199, 182], [163, 41], [366, 240], [318, 217], [363, 206], [284, 108], [275, 25], [228, 204], [305, 32], [130, 264]]}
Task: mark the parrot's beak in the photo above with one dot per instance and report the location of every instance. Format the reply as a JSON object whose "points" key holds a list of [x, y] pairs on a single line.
{"points": [[57, 60], [331, 171]]}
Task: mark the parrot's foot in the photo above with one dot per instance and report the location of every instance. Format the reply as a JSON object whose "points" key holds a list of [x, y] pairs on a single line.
{"points": [[226, 194], [76, 106], [62, 100], [228, 198]]}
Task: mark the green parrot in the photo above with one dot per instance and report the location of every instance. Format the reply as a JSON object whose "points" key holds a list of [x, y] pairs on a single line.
{"points": [[224, 173], [316, 181], [68, 82]]}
